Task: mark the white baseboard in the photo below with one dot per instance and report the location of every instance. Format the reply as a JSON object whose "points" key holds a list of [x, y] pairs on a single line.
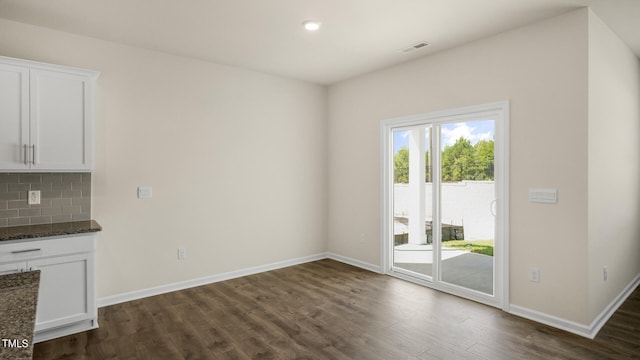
{"points": [[613, 306], [589, 331], [54, 333], [356, 263], [139, 294], [553, 321]]}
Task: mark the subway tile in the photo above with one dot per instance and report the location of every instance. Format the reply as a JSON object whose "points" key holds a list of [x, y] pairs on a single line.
{"points": [[19, 187], [54, 194], [71, 193], [80, 186], [11, 196], [4, 204], [61, 186], [29, 212], [7, 178], [52, 211], [42, 187], [37, 220], [73, 177], [4, 222], [72, 209], [81, 201], [11, 213], [18, 221], [18, 204], [52, 178], [61, 202], [86, 178], [30, 178], [61, 218], [81, 217], [4, 187]]}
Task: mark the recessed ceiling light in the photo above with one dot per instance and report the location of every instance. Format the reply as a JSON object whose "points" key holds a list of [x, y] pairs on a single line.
{"points": [[311, 25]]}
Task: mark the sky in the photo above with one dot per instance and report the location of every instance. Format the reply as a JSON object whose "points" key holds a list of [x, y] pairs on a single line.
{"points": [[474, 131]]}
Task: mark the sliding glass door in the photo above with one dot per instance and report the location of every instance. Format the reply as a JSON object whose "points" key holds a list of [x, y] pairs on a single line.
{"points": [[445, 191]]}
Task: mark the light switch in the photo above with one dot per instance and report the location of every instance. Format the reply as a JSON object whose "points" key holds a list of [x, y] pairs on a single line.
{"points": [[144, 192], [534, 274], [547, 196]]}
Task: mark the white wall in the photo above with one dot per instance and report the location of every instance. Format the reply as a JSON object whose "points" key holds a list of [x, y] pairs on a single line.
{"points": [[542, 70], [614, 165], [465, 203], [236, 159]]}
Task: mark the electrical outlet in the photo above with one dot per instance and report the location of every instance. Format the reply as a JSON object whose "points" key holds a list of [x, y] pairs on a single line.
{"points": [[605, 273], [182, 253], [534, 274], [33, 197], [363, 237]]}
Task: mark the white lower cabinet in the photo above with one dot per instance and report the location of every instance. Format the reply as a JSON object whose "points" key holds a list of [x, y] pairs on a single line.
{"points": [[66, 298]]}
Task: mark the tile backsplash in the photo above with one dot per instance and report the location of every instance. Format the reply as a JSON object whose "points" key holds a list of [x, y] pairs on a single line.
{"points": [[64, 197]]}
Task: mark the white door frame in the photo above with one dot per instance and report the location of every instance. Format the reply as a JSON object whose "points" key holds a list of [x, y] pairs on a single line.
{"points": [[499, 111]]}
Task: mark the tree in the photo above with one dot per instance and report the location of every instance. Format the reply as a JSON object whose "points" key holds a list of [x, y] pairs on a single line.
{"points": [[483, 158], [401, 166], [427, 171], [456, 160], [460, 161]]}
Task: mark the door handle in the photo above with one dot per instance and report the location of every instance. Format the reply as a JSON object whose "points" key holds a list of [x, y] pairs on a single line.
{"points": [[26, 155], [491, 205], [33, 154]]}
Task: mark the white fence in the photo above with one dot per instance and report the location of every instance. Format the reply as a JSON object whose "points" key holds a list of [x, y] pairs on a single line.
{"points": [[466, 203]]}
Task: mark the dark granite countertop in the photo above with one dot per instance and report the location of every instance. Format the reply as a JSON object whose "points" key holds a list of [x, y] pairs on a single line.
{"points": [[37, 231], [19, 297]]}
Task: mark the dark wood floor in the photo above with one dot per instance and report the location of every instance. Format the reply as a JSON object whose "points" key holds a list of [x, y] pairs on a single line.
{"points": [[329, 310]]}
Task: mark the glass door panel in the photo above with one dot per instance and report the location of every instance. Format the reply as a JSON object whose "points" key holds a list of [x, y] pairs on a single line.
{"points": [[412, 201], [467, 205]]}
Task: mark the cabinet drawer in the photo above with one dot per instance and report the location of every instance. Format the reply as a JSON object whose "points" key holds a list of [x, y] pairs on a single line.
{"points": [[10, 268], [45, 247]]}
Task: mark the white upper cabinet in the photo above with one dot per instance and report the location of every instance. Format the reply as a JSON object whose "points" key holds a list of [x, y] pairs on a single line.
{"points": [[14, 116], [61, 126], [46, 117]]}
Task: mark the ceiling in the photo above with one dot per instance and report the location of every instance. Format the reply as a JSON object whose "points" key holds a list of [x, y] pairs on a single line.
{"points": [[356, 37]]}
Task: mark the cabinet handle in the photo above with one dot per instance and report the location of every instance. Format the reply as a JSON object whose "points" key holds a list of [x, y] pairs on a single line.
{"points": [[33, 154], [24, 251], [26, 156]]}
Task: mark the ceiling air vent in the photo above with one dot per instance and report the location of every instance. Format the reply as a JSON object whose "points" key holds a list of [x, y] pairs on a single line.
{"points": [[417, 46]]}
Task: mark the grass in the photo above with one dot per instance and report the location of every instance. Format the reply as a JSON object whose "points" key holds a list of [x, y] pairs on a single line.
{"points": [[484, 247]]}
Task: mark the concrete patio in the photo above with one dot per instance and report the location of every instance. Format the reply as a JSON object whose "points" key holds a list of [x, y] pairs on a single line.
{"points": [[459, 267]]}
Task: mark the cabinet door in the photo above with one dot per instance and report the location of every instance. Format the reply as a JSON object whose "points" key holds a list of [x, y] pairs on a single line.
{"points": [[60, 126], [65, 290], [14, 117]]}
